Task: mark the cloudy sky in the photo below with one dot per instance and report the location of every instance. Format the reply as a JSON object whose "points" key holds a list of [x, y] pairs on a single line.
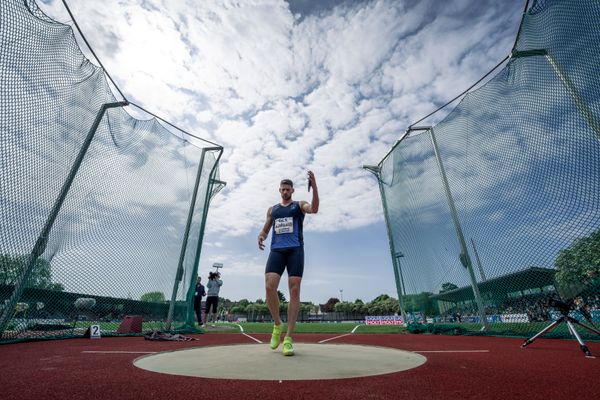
{"points": [[291, 86]]}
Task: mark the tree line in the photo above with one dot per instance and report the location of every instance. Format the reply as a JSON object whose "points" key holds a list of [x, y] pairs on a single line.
{"points": [[577, 264]]}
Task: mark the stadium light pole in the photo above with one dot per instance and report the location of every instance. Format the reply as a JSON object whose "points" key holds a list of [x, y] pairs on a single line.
{"points": [[376, 170], [464, 257]]}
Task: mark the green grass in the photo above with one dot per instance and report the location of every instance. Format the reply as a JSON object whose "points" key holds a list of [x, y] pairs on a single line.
{"points": [[321, 327], [497, 329]]}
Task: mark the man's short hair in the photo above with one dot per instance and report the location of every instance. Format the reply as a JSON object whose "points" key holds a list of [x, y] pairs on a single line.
{"points": [[286, 182]]}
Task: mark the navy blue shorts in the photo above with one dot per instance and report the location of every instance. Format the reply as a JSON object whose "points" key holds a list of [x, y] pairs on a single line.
{"points": [[291, 257]]}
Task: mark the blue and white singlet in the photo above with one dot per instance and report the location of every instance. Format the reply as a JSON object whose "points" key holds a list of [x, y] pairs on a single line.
{"points": [[287, 226]]}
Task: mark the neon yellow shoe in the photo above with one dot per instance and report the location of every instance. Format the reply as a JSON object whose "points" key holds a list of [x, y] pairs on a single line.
{"points": [[288, 348], [275, 337]]}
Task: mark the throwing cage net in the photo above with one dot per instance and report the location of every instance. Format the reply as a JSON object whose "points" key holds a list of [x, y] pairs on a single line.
{"points": [[101, 215], [495, 211]]}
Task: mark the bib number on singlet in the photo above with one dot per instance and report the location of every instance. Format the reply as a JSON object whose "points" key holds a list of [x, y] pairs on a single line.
{"points": [[284, 225]]}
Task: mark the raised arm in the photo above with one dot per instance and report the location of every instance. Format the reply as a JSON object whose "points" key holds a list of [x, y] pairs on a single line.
{"points": [[313, 206], [265, 230]]}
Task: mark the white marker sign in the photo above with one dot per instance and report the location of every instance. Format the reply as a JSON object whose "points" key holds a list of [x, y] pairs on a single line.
{"points": [[95, 332]]}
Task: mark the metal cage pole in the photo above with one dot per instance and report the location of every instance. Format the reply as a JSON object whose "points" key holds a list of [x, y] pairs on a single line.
{"points": [[564, 79], [188, 224], [399, 255], [481, 271], [42, 240], [464, 257], [189, 320], [589, 116], [376, 170]]}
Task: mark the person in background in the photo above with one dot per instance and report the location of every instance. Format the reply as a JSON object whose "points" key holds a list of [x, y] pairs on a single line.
{"points": [[198, 295], [212, 297]]}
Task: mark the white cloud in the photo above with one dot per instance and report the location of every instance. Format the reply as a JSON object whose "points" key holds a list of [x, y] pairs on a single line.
{"points": [[330, 93]]}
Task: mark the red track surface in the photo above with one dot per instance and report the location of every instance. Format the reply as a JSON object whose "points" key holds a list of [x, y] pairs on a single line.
{"points": [[548, 369]]}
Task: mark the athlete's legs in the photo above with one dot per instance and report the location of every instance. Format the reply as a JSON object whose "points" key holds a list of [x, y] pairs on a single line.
{"points": [[271, 285], [294, 305]]}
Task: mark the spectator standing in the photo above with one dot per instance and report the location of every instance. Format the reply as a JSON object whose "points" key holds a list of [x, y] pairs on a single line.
{"points": [[212, 298], [198, 295]]}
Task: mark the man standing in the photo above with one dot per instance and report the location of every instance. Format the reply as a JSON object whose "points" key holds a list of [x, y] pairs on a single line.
{"points": [[287, 250], [198, 294]]}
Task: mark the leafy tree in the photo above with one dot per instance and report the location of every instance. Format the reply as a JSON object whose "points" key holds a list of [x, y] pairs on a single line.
{"points": [[421, 302], [348, 307], [252, 308], [375, 308], [358, 307], [343, 306], [381, 305], [153, 297], [259, 301], [580, 262], [262, 309], [243, 303], [225, 302], [307, 308], [425, 304], [238, 310], [448, 286], [390, 306], [39, 278], [257, 309], [330, 305], [281, 296], [381, 297]]}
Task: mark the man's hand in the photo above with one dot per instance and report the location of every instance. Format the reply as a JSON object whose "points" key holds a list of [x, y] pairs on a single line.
{"points": [[312, 182], [313, 206], [265, 230]]}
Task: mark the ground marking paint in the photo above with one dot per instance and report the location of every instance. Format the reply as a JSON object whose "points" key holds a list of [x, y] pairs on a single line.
{"points": [[450, 351], [245, 334], [337, 337], [118, 352]]}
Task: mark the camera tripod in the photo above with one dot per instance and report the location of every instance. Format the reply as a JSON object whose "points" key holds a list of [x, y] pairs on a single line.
{"points": [[571, 322]]}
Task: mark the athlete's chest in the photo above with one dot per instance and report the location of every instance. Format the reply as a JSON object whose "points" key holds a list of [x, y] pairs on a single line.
{"points": [[291, 210], [283, 218]]}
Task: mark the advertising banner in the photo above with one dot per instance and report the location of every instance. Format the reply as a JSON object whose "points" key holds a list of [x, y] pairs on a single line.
{"points": [[383, 320]]}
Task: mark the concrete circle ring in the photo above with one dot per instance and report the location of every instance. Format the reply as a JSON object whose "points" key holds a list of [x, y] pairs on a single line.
{"points": [[259, 362]]}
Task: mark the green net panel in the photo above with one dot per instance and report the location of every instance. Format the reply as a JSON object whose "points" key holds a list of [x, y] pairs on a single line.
{"points": [[522, 159], [117, 239]]}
